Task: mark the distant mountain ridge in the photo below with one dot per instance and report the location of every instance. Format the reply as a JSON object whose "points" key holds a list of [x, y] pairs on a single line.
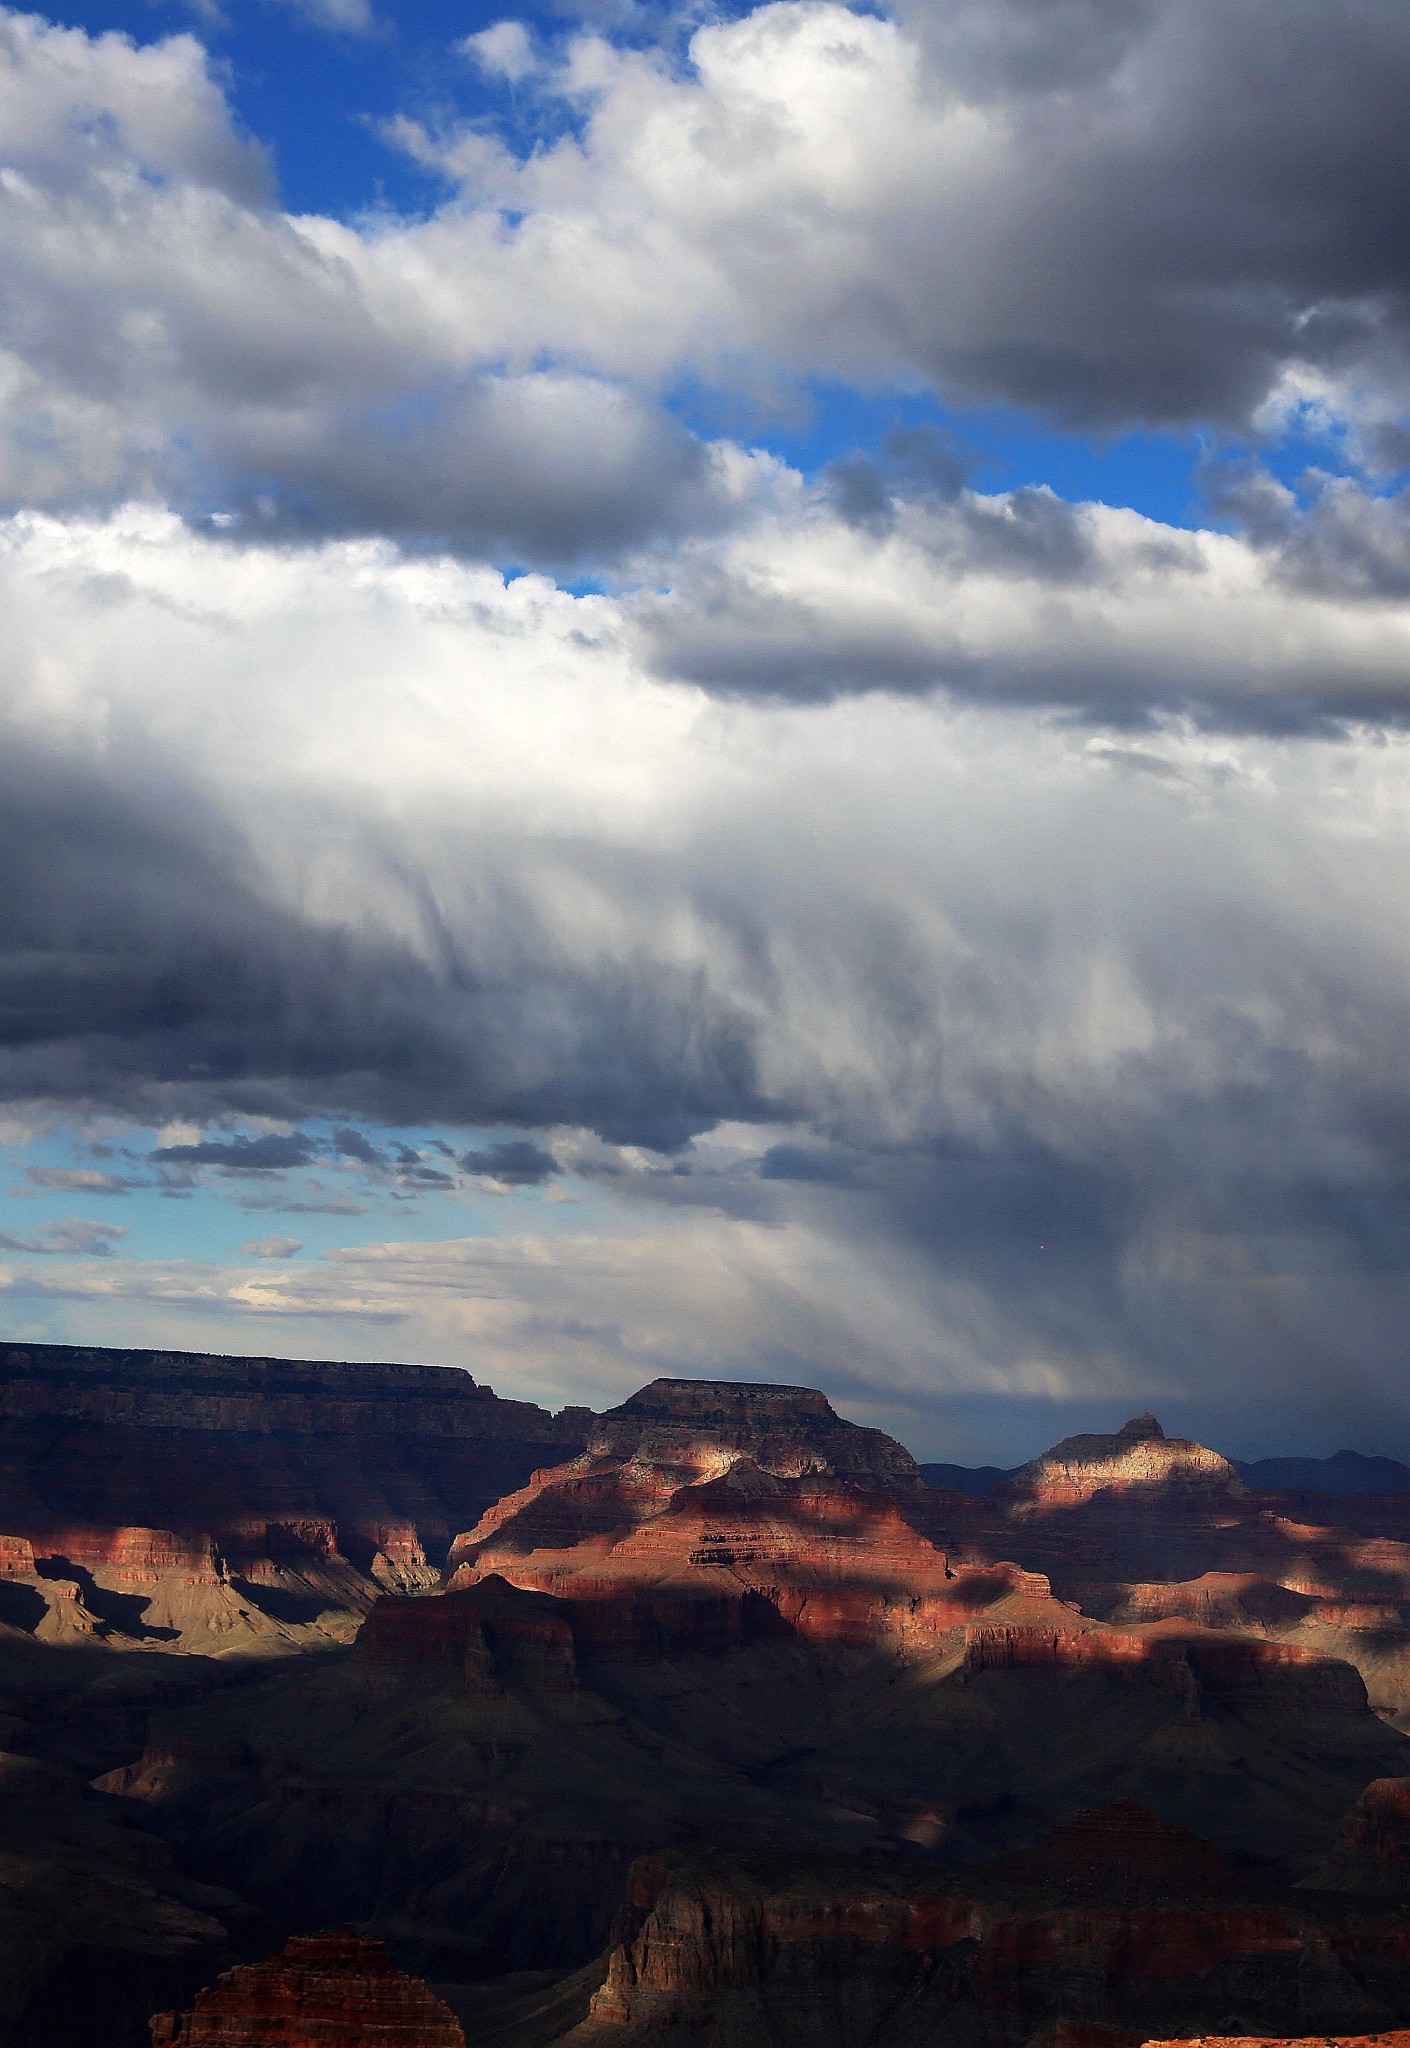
{"points": [[1343, 1472]]}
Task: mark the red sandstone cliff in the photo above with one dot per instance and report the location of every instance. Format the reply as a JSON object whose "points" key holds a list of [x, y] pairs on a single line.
{"points": [[1138, 1528], [217, 1503], [1112, 1925], [1394, 2037], [1372, 1851], [334, 1990]]}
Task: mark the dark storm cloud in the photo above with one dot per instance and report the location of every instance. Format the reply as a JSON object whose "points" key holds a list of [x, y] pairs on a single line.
{"points": [[350, 1144], [142, 968], [534, 469], [808, 1163], [1199, 194], [516, 1160], [269, 1153]]}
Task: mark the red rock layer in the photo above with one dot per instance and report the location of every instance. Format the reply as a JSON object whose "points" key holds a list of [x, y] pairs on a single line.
{"points": [[1394, 2037], [335, 1990], [196, 1502], [181, 1441], [643, 1558], [1372, 1850], [1088, 1938], [1137, 1528]]}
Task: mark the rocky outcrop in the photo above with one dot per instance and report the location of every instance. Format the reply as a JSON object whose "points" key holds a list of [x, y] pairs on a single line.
{"points": [[1138, 1528], [1372, 1850], [1394, 2037], [97, 1926], [191, 1502], [733, 1621], [1115, 1924], [647, 1562], [333, 1990], [1140, 1459], [788, 1431]]}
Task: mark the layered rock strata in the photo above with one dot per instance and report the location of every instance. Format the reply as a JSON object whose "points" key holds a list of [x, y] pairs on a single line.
{"points": [[332, 1990], [1110, 1931], [1371, 1854], [1137, 1528], [178, 1500]]}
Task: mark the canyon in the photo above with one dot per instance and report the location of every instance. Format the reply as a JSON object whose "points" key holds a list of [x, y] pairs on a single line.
{"points": [[711, 1716]]}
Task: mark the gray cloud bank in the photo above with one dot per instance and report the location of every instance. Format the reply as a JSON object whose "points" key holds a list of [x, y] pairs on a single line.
{"points": [[1078, 1060]]}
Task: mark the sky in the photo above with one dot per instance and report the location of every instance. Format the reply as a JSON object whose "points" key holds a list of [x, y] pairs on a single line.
{"points": [[718, 692]]}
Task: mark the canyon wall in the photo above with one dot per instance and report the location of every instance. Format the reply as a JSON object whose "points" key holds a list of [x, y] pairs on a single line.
{"points": [[170, 1498]]}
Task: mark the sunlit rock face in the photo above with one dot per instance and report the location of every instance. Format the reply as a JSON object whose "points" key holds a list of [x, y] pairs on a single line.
{"points": [[1138, 1459], [701, 1425], [1147, 1532], [174, 1501], [335, 1990]]}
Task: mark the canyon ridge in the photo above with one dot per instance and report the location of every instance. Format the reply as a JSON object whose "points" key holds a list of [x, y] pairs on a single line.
{"points": [[712, 1719]]}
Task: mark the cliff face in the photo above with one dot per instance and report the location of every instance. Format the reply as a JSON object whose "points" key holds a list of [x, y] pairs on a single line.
{"points": [[1114, 1928], [1139, 1528], [96, 1923], [1139, 1459], [334, 1990], [172, 1499], [719, 1616], [789, 1431], [1371, 1854]]}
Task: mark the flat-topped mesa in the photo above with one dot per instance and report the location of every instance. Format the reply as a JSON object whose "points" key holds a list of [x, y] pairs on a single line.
{"points": [[701, 1424], [334, 1990], [208, 1503], [1137, 1460]]}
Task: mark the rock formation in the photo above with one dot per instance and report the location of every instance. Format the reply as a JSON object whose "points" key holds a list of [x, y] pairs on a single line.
{"points": [[851, 1756], [1394, 2037], [1372, 1850], [1138, 1527], [1139, 1460], [97, 1925], [333, 1990], [171, 1499], [1110, 1930]]}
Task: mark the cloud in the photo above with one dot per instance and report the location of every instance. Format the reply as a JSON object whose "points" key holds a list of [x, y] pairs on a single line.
{"points": [[342, 17], [350, 1144], [504, 51], [269, 1153], [1029, 876], [429, 849], [516, 1161], [807, 1163], [272, 1247], [1020, 597], [1152, 217], [80, 1180], [76, 1237]]}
